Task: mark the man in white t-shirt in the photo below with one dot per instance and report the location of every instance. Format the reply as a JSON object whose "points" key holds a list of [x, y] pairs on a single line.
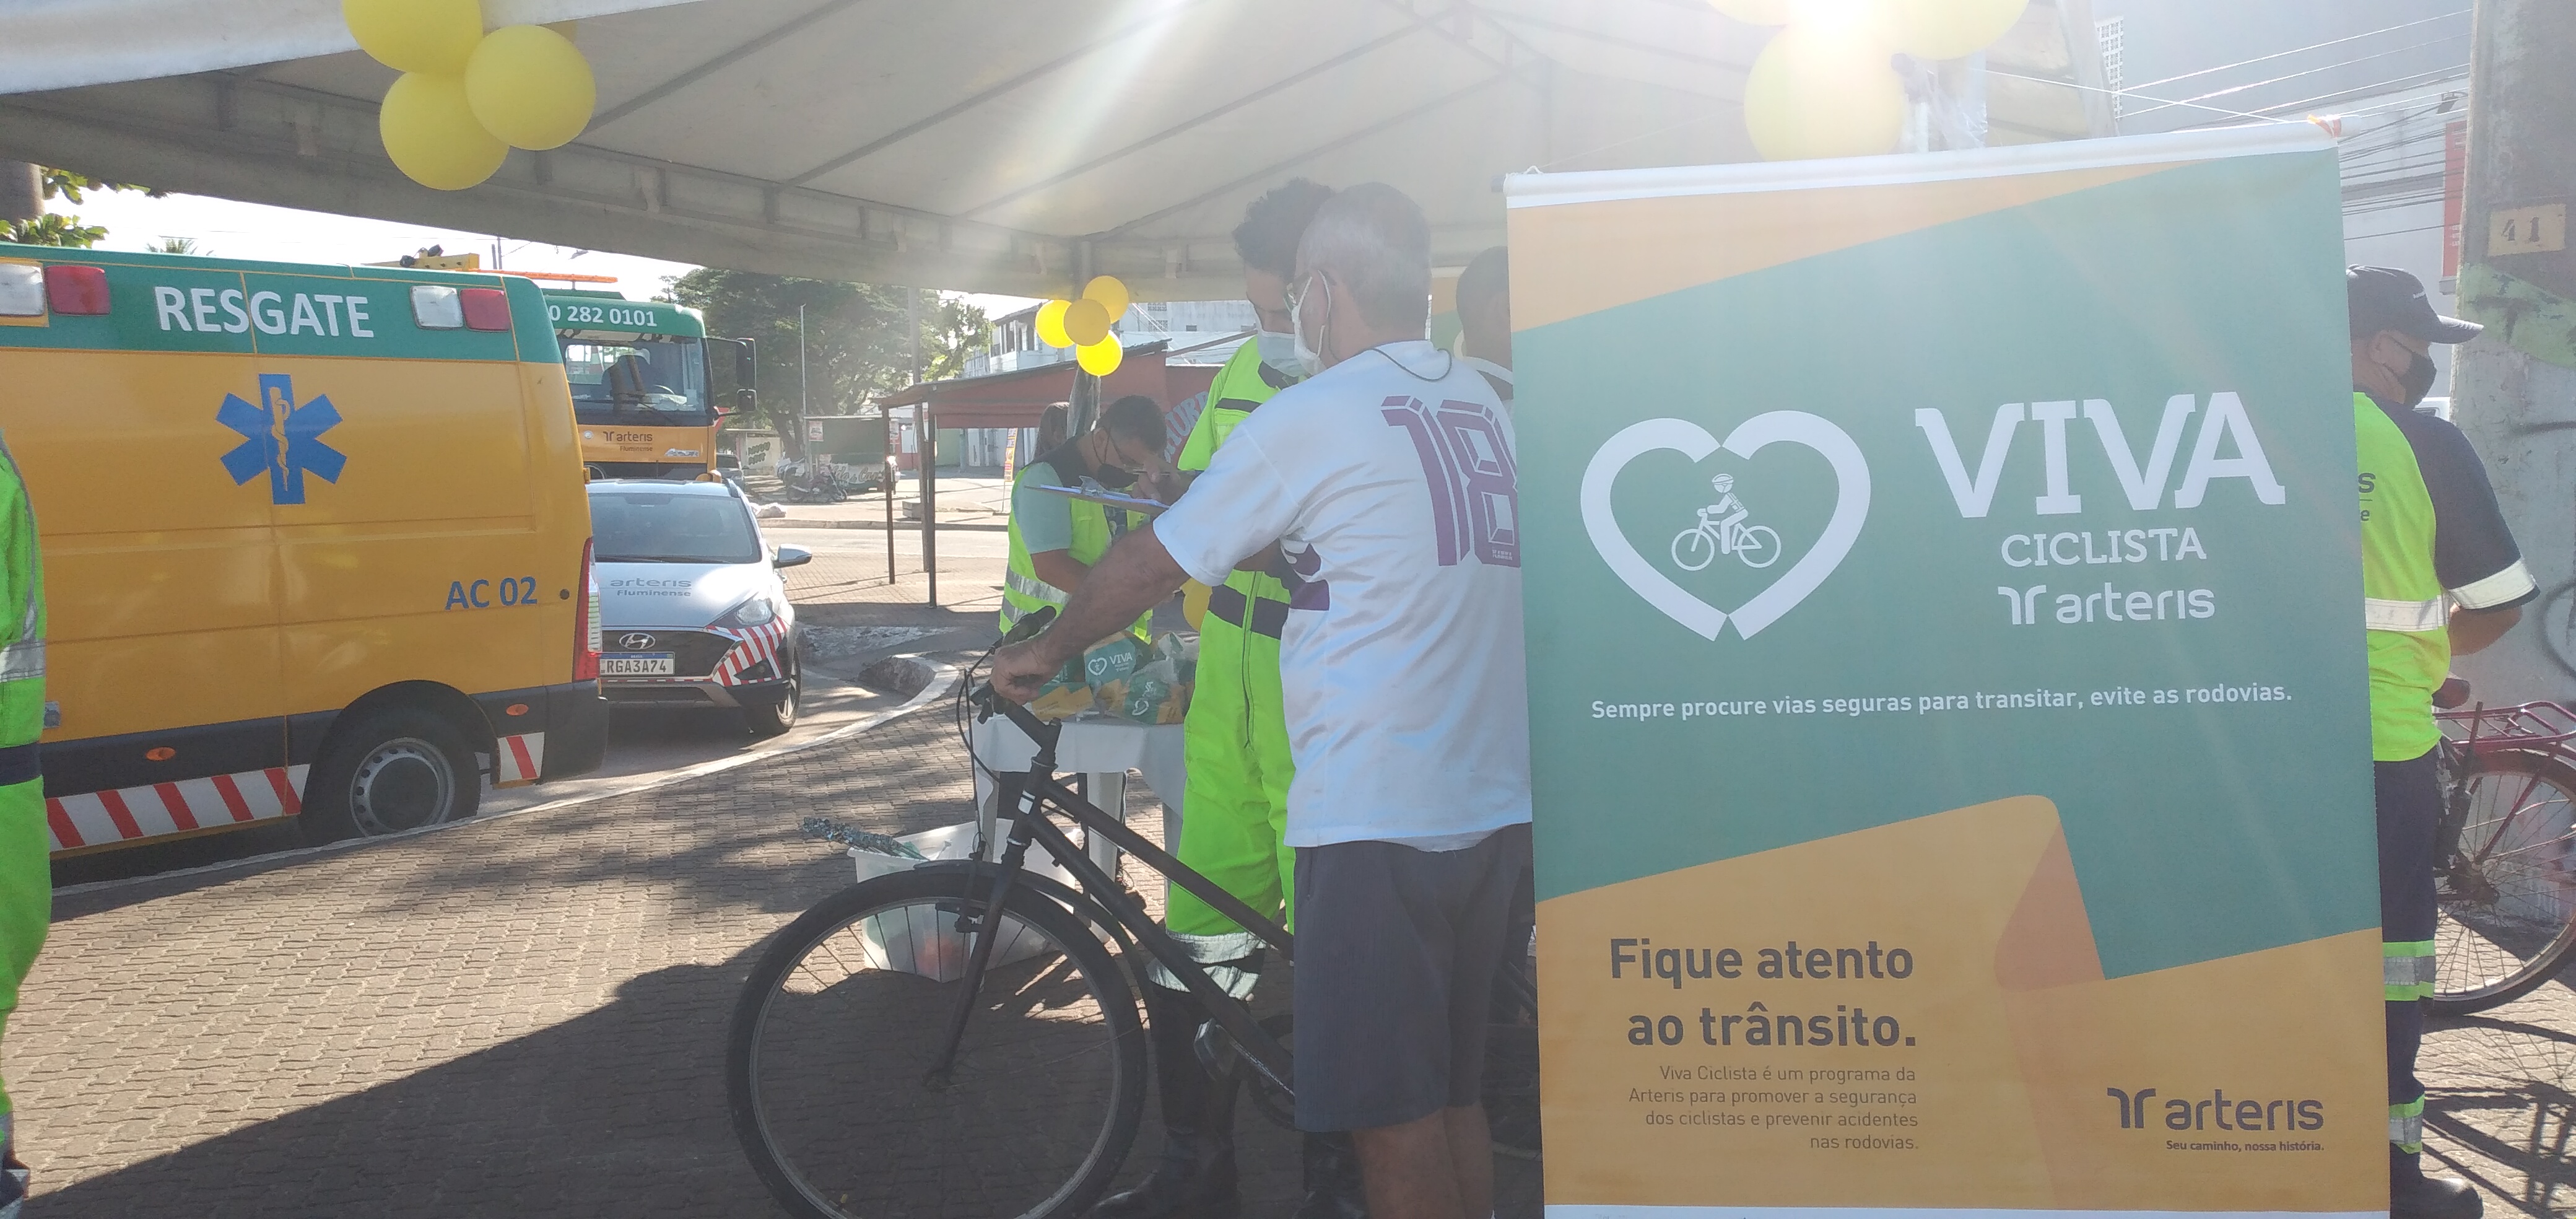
{"points": [[1388, 482]]}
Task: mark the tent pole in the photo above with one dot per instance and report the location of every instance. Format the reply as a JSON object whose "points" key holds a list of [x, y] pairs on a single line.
{"points": [[885, 415]]}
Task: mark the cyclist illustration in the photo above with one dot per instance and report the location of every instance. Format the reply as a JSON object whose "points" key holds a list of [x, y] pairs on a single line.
{"points": [[1721, 530]]}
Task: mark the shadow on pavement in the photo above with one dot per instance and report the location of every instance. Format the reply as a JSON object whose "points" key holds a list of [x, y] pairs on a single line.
{"points": [[2507, 1095], [618, 1112]]}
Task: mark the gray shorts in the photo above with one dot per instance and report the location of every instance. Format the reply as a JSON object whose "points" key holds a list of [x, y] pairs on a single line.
{"points": [[1396, 950]]}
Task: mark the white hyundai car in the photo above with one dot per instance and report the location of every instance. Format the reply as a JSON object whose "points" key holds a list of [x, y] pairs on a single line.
{"points": [[692, 610]]}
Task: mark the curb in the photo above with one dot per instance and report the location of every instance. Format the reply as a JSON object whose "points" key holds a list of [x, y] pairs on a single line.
{"points": [[789, 522]]}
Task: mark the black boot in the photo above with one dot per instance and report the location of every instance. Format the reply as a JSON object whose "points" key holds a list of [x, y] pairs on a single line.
{"points": [[2412, 1195], [1332, 1179], [1196, 1178]]}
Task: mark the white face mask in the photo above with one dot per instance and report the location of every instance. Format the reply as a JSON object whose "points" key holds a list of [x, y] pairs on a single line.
{"points": [[1278, 350], [1309, 360]]}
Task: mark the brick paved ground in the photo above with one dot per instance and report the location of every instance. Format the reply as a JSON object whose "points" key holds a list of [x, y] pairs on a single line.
{"points": [[522, 1016]]}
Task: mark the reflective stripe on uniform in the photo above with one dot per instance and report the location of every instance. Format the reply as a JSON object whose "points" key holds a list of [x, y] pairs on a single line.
{"points": [[2413, 617], [1031, 586], [2406, 1126], [2406, 969], [1268, 616], [1211, 952], [2506, 585], [22, 660]]}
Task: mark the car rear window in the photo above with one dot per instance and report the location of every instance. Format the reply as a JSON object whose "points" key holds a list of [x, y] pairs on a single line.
{"points": [[650, 527]]}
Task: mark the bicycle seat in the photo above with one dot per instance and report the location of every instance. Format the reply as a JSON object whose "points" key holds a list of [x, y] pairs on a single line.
{"points": [[2453, 692]]}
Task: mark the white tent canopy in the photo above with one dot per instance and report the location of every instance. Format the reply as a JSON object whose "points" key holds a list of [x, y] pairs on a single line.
{"points": [[977, 145]]}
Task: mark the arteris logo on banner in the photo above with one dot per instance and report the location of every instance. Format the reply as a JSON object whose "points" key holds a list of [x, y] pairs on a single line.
{"points": [[1725, 529]]}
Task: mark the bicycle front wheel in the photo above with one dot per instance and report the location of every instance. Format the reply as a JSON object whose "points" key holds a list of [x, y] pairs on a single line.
{"points": [[1694, 549], [830, 1062], [2508, 918]]}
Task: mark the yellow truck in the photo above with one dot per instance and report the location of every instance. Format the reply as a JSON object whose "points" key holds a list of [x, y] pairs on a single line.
{"points": [[641, 383], [315, 542]]}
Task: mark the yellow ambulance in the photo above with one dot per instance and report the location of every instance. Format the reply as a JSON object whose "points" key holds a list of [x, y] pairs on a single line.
{"points": [[315, 542]]}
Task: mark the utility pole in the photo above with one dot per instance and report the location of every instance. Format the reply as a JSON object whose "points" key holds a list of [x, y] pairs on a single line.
{"points": [[2514, 387]]}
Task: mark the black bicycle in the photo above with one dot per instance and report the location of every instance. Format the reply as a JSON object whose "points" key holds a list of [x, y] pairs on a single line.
{"points": [[963, 1038]]}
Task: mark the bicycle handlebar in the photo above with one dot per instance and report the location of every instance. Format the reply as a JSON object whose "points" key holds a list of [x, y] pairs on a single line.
{"points": [[988, 703]]}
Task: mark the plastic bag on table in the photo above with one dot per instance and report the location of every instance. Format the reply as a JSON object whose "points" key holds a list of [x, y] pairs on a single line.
{"points": [[1156, 691], [1072, 690]]}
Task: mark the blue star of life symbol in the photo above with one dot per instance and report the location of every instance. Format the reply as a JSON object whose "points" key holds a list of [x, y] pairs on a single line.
{"points": [[281, 438]]}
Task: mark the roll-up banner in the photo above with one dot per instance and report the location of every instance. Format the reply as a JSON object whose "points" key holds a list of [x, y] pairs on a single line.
{"points": [[1947, 693]]}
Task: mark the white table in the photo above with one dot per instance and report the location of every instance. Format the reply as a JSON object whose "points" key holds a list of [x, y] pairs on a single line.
{"points": [[1100, 750]]}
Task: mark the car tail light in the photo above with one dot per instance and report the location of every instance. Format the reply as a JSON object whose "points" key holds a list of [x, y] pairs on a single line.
{"points": [[436, 307], [22, 289], [585, 621], [77, 290], [485, 308]]}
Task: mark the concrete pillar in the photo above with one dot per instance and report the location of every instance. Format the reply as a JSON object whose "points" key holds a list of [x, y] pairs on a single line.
{"points": [[2514, 388]]}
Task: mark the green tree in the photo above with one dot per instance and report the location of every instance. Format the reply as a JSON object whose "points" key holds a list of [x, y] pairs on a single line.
{"points": [[952, 330], [56, 229], [61, 230], [855, 346]]}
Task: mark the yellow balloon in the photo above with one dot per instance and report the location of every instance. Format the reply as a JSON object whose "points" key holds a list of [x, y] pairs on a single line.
{"points": [[1812, 94], [1100, 359], [1111, 294], [1086, 322], [1755, 12], [416, 35], [1194, 602], [1050, 324], [1948, 29], [431, 134], [530, 86]]}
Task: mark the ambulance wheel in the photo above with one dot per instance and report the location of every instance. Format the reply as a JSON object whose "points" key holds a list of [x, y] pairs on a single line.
{"points": [[392, 771], [771, 719]]}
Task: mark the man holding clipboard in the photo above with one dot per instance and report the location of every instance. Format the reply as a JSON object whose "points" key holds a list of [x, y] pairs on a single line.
{"points": [[1055, 538]]}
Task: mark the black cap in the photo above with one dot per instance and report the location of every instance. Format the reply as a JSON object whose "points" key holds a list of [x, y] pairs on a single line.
{"points": [[2385, 298]]}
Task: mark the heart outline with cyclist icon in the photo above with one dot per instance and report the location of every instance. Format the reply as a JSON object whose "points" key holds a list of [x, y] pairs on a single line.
{"points": [[1749, 542]]}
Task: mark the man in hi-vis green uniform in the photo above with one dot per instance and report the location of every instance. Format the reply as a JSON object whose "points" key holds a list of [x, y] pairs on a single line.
{"points": [[1235, 814], [26, 877], [1055, 538], [2440, 574]]}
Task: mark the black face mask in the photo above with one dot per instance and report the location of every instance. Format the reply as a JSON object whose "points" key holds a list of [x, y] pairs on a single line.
{"points": [[2417, 380]]}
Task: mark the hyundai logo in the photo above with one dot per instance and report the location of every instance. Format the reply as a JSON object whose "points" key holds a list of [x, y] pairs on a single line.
{"points": [[635, 641]]}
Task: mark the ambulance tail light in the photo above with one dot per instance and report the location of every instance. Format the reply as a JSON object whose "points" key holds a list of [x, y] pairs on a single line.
{"points": [[77, 290], [436, 307], [485, 308], [22, 289], [585, 621]]}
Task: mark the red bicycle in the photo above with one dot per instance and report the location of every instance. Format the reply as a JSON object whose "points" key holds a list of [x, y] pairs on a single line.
{"points": [[2504, 852]]}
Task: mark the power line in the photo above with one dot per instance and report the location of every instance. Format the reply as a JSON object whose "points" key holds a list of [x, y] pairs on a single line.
{"points": [[2310, 103], [2068, 84], [2301, 50], [2313, 71]]}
